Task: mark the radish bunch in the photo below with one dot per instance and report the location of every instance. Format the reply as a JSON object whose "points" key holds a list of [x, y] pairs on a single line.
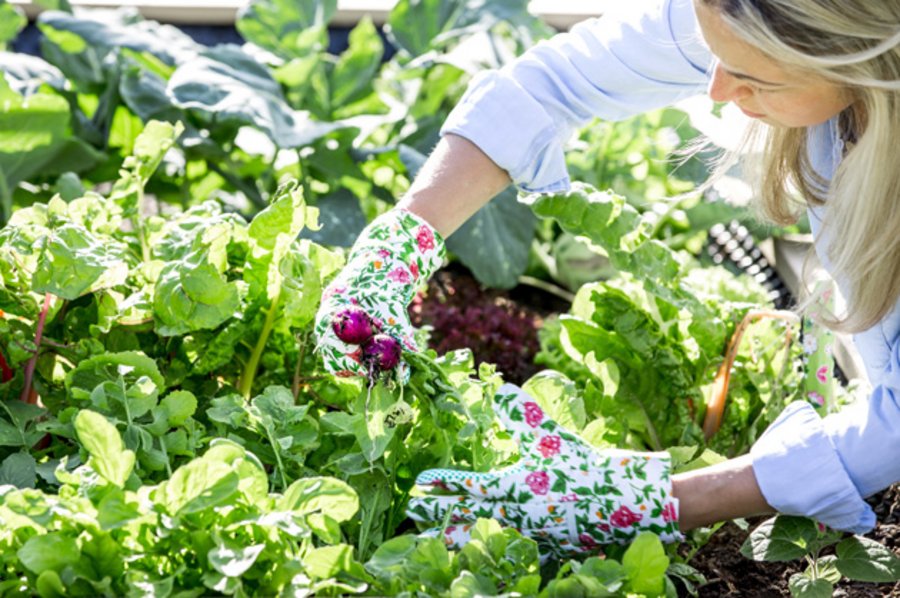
{"points": [[380, 352]]}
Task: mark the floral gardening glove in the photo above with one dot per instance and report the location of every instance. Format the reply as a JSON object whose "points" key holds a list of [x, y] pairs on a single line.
{"points": [[390, 256], [563, 493]]}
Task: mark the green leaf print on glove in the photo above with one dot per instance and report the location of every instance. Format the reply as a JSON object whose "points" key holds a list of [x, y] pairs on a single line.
{"points": [[396, 252], [563, 493]]}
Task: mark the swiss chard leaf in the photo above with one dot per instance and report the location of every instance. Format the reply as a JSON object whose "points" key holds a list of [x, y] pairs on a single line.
{"points": [[74, 262], [193, 294]]}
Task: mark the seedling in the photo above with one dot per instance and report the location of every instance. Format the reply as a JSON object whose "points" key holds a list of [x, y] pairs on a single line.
{"points": [[786, 538]]}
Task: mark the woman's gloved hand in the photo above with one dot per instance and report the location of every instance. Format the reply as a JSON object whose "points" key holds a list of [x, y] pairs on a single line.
{"points": [[386, 264], [563, 493]]}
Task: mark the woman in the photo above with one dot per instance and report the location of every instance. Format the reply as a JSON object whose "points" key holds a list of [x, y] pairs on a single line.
{"points": [[821, 78]]}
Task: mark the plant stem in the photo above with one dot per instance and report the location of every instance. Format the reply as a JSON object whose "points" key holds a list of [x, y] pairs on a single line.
{"points": [[548, 287], [5, 200], [125, 400], [162, 445], [139, 225], [670, 209], [295, 386], [655, 443], [252, 194], [29, 367], [55, 345], [716, 405], [250, 368], [813, 574], [280, 465]]}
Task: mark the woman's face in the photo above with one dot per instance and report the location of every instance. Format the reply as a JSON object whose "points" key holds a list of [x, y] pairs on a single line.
{"points": [[759, 85]]}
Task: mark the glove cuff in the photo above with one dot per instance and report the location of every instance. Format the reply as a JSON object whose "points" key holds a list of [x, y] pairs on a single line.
{"points": [[646, 502]]}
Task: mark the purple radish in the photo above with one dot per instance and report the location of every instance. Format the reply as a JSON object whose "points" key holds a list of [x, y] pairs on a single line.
{"points": [[353, 325], [381, 352]]}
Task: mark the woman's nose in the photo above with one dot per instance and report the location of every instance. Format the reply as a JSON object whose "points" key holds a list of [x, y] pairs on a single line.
{"points": [[724, 87]]}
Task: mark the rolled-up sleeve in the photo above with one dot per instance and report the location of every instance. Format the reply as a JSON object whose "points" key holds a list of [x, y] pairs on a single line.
{"points": [[801, 472], [624, 63], [824, 467]]}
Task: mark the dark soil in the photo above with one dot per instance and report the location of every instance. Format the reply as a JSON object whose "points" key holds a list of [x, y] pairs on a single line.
{"points": [[730, 574]]}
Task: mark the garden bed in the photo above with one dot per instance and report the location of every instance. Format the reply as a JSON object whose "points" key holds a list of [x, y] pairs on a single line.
{"points": [[729, 574]]}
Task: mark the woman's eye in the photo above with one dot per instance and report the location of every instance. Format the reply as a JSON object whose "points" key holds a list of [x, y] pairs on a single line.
{"points": [[760, 89]]}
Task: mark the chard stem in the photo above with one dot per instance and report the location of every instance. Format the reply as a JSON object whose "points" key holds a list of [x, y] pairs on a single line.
{"points": [[162, 445], [5, 200], [139, 226], [29, 367], [252, 364], [278, 461], [547, 287], [295, 387], [651, 429]]}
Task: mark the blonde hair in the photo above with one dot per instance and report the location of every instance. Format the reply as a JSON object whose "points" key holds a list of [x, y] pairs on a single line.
{"points": [[855, 44]]}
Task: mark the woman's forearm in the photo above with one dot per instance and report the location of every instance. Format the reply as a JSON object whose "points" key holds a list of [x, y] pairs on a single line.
{"points": [[455, 181], [719, 492]]}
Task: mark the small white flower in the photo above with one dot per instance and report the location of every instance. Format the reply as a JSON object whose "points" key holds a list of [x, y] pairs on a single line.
{"points": [[810, 344]]}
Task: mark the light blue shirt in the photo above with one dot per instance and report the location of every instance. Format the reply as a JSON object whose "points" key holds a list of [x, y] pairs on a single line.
{"points": [[648, 55]]}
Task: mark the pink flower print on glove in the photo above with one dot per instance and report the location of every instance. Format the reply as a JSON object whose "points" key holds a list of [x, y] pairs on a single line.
{"points": [[549, 446], [539, 482], [669, 514], [399, 275], [624, 517], [588, 544], [533, 414], [822, 374], [425, 239], [332, 291]]}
